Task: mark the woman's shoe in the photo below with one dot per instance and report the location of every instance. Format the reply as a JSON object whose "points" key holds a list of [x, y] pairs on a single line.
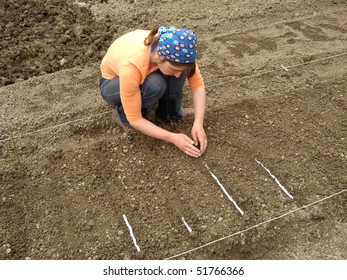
{"points": [[116, 118]]}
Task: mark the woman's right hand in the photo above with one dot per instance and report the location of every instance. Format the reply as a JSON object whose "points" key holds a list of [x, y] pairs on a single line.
{"points": [[185, 144]]}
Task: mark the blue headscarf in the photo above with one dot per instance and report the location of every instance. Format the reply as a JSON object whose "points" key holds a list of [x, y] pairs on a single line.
{"points": [[178, 45]]}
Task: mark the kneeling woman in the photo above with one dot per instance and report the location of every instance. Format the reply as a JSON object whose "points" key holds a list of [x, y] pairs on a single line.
{"points": [[142, 68]]}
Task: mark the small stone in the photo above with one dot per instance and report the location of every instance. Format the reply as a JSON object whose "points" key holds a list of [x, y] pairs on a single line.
{"points": [[91, 223], [62, 62], [120, 232], [81, 4]]}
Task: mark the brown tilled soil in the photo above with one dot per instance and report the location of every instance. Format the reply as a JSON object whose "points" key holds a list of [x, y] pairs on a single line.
{"points": [[275, 73]]}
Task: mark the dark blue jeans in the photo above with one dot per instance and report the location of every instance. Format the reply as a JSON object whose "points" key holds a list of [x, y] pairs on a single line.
{"points": [[157, 87]]}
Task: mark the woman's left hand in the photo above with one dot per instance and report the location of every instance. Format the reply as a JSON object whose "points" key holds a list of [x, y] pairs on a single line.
{"points": [[199, 137]]}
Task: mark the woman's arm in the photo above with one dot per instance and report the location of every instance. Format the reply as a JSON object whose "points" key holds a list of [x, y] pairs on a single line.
{"points": [[198, 132]]}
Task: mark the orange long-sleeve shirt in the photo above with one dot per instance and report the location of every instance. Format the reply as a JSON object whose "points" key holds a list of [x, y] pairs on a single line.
{"points": [[129, 59]]}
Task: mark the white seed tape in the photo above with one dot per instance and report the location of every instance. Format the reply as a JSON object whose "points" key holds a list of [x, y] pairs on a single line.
{"points": [[285, 68], [187, 226], [224, 190], [276, 180], [131, 233]]}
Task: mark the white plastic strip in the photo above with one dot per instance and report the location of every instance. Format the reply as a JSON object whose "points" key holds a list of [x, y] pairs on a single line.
{"points": [[131, 233], [224, 190], [187, 226], [285, 68], [276, 180]]}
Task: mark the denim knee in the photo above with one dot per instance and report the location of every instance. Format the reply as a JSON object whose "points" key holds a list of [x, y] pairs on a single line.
{"points": [[153, 88], [109, 90]]}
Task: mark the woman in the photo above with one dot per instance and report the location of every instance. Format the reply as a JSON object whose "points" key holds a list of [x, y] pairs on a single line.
{"points": [[142, 68]]}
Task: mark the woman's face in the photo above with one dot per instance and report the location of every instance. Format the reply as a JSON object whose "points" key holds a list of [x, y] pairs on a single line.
{"points": [[171, 70]]}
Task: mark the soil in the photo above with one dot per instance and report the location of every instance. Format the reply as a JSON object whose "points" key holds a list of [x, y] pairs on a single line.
{"points": [[276, 93]]}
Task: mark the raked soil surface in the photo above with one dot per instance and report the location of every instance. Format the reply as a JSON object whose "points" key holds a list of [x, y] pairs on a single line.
{"points": [[275, 74]]}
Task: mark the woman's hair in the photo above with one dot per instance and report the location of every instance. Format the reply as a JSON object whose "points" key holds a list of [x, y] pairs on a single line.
{"points": [[152, 40]]}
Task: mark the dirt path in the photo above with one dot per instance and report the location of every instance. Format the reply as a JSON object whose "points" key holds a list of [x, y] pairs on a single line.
{"points": [[276, 81]]}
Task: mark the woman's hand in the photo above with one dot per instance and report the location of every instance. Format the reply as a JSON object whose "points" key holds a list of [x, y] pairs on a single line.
{"points": [[185, 144], [199, 137], [180, 140]]}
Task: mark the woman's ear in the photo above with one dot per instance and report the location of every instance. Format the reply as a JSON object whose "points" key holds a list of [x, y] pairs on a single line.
{"points": [[157, 58]]}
